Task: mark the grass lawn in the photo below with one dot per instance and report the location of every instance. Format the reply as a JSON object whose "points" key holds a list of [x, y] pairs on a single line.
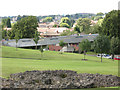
{"points": [[27, 59]]}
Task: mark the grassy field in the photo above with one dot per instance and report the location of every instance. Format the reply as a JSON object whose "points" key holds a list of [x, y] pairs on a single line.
{"points": [[27, 59]]}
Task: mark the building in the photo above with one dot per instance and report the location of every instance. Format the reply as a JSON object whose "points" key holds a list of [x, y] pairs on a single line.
{"points": [[7, 29], [51, 32], [46, 25], [53, 42]]}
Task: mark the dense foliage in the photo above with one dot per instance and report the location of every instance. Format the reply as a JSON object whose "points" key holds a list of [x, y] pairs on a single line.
{"points": [[68, 32], [62, 43], [36, 38], [100, 14], [111, 24], [48, 19], [80, 15], [83, 24], [115, 46], [26, 27], [77, 29], [95, 28], [85, 46], [4, 34], [65, 22], [101, 45], [64, 25], [6, 23]]}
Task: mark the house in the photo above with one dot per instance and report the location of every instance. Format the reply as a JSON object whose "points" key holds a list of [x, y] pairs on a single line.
{"points": [[51, 32], [46, 25], [7, 29], [93, 22]]}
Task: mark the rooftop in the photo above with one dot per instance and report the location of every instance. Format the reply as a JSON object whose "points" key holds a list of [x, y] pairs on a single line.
{"points": [[52, 40]]}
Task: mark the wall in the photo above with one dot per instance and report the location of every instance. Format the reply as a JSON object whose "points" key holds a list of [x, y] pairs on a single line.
{"points": [[58, 48]]}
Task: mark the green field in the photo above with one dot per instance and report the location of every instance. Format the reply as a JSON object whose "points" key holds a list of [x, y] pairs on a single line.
{"points": [[27, 59]]}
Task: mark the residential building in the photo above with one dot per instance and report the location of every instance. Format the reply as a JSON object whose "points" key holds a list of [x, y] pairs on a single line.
{"points": [[51, 32]]}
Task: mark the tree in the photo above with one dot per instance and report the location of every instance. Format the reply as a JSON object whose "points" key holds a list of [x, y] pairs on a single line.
{"points": [[65, 22], [18, 17], [115, 46], [76, 28], [26, 27], [83, 24], [64, 25], [55, 25], [16, 38], [36, 38], [94, 29], [101, 45], [68, 32], [68, 16], [6, 23], [72, 21], [62, 44], [98, 17], [111, 24], [48, 19], [4, 34], [41, 50], [3, 23], [85, 46], [100, 14], [100, 21], [11, 33], [0, 35]]}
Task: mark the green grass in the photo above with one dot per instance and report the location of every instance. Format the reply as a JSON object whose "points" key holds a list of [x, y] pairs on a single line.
{"points": [[91, 53], [26, 59], [102, 88]]}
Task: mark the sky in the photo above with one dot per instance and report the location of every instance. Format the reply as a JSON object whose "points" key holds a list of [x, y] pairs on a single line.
{"points": [[51, 7]]}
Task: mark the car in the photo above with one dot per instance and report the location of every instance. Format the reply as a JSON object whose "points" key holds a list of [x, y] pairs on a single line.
{"points": [[105, 56], [108, 57], [117, 58], [99, 55]]}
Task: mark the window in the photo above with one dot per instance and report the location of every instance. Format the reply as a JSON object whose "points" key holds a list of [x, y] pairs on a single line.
{"points": [[54, 39], [79, 37], [26, 40]]}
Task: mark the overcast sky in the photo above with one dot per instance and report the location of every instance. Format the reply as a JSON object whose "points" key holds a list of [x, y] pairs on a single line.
{"points": [[49, 7]]}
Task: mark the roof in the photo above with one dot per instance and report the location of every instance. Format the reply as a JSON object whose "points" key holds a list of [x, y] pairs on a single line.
{"points": [[7, 28], [51, 31], [50, 34], [52, 40]]}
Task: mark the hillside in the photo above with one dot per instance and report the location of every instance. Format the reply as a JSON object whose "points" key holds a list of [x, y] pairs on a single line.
{"points": [[27, 59]]}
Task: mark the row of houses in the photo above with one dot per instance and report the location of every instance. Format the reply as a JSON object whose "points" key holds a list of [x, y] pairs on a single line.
{"points": [[52, 43], [49, 32], [47, 29]]}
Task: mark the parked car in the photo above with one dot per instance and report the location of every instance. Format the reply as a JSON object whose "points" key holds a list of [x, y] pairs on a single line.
{"points": [[105, 56], [117, 58], [108, 57], [99, 55]]}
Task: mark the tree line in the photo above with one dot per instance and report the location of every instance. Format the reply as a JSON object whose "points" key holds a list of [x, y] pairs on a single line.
{"points": [[102, 44], [108, 29]]}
